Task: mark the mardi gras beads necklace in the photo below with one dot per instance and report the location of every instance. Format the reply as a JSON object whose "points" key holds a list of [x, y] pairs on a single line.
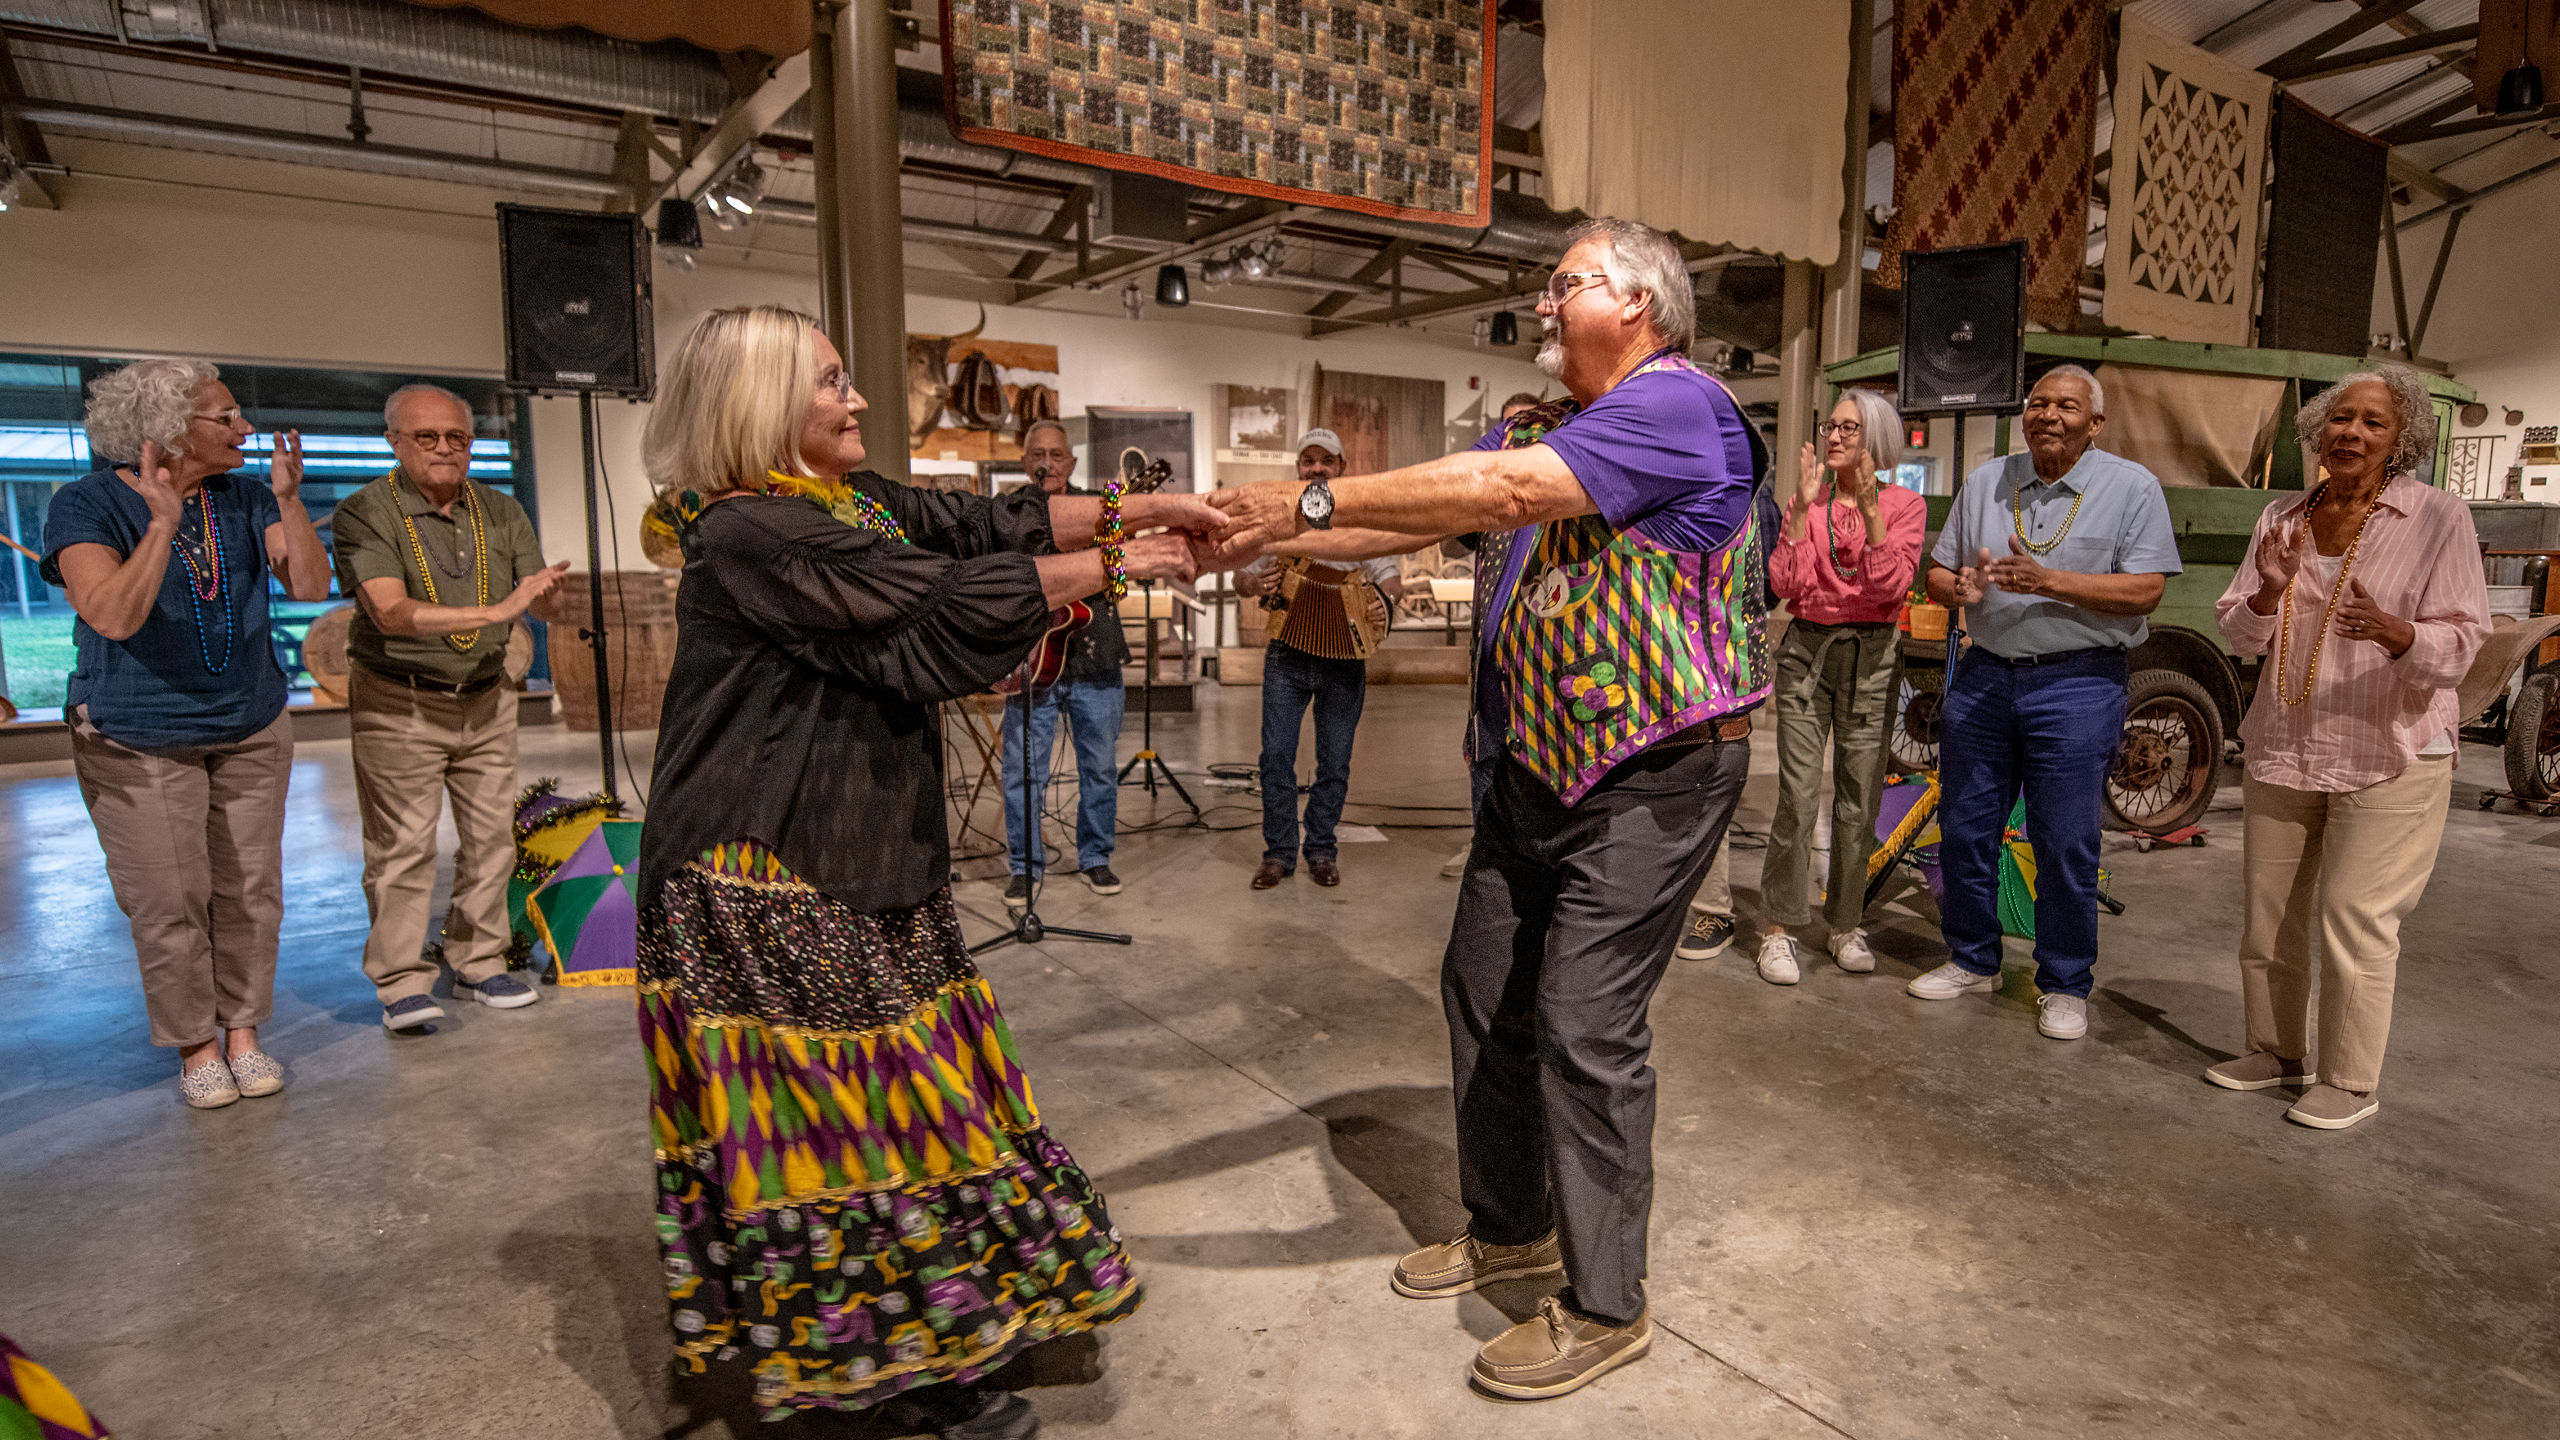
{"points": [[1111, 536], [2018, 522], [1831, 529], [2337, 591], [208, 579], [463, 641]]}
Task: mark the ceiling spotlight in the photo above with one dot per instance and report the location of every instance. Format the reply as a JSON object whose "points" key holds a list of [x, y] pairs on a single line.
{"points": [[1217, 272], [1505, 329], [1252, 263], [679, 224], [742, 190], [8, 180], [1738, 361], [2520, 90], [1173, 287], [1132, 300]]}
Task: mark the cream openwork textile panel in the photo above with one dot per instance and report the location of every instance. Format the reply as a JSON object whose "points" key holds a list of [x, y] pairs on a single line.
{"points": [[1720, 119], [2190, 151]]}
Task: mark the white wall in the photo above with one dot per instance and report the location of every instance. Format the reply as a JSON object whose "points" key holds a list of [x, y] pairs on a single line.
{"points": [[259, 261]]}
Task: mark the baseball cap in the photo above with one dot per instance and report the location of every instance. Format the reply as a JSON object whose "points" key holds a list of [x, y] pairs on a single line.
{"points": [[1323, 438]]}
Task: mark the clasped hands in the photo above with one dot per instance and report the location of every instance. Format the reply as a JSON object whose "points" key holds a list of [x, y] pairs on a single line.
{"points": [[1198, 538], [2018, 572]]}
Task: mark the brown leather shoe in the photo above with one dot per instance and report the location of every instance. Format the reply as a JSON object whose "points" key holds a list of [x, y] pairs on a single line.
{"points": [[1556, 1352], [2259, 1070], [1437, 1271], [1324, 871], [1271, 873]]}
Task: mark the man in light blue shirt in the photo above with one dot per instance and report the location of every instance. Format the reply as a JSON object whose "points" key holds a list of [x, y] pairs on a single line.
{"points": [[2055, 556]]}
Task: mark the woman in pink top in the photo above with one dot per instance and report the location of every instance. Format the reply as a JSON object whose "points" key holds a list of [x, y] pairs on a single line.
{"points": [[2367, 596], [1842, 563]]}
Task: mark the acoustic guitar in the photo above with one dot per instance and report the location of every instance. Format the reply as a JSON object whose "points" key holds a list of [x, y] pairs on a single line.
{"points": [[1041, 669]]}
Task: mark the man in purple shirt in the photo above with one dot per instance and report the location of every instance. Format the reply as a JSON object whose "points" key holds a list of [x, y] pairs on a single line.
{"points": [[1607, 518]]}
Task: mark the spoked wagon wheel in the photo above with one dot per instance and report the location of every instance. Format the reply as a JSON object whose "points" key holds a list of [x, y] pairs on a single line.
{"points": [[1912, 744], [2533, 740], [2164, 775]]}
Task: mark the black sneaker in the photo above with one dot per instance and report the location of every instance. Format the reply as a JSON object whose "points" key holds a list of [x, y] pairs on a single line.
{"points": [[1017, 894], [1102, 881], [967, 1413], [1707, 937]]}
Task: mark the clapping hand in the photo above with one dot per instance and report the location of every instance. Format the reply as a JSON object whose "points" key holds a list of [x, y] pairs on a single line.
{"points": [[284, 466], [533, 587], [2280, 556], [2360, 618], [159, 490], [1974, 580], [2017, 572]]}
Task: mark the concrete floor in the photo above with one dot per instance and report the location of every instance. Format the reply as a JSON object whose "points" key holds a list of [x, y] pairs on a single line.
{"points": [[1874, 1217]]}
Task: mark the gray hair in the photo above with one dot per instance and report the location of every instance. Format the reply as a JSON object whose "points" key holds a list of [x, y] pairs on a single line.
{"points": [[1069, 441], [391, 406], [1641, 259], [1881, 423], [147, 402], [2097, 392], [2409, 397]]}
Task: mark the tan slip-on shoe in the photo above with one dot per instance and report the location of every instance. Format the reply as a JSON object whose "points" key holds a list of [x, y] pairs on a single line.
{"points": [[2260, 1070], [1556, 1352], [2326, 1107], [1437, 1271]]}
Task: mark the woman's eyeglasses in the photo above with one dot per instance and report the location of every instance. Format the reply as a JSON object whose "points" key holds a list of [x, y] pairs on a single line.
{"points": [[221, 417], [1845, 429], [838, 382]]}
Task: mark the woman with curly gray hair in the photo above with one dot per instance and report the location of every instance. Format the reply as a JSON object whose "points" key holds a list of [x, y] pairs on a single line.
{"points": [[178, 731], [2350, 745]]}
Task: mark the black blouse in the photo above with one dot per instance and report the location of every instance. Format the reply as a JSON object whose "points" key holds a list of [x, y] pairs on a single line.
{"points": [[809, 657]]}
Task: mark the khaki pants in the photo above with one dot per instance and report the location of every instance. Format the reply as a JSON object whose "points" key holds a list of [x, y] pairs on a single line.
{"points": [[1834, 693], [1715, 893], [195, 852], [2355, 861], [411, 749]]}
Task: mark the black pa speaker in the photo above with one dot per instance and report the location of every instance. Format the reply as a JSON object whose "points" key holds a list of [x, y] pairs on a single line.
{"points": [[577, 302], [1964, 329]]}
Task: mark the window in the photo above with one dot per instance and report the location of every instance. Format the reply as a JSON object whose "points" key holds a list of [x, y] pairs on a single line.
{"points": [[339, 412]]}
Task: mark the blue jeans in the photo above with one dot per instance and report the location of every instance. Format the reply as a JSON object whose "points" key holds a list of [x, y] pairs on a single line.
{"points": [[1093, 717], [2053, 731], [1291, 678]]}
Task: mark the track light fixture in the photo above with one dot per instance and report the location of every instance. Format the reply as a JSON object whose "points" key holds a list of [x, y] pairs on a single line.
{"points": [[1505, 329], [1173, 287], [8, 179], [2520, 90], [679, 224], [1133, 300]]}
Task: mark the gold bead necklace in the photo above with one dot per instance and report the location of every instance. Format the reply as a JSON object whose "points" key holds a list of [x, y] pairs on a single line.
{"points": [[463, 641], [2337, 590], [2018, 521]]}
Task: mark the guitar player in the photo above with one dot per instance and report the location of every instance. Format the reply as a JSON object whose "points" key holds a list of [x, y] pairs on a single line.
{"points": [[1090, 695], [1324, 620]]}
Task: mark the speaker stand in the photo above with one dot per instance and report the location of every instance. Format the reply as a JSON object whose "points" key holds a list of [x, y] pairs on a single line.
{"points": [[1147, 765], [1027, 928], [1960, 455], [593, 634]]}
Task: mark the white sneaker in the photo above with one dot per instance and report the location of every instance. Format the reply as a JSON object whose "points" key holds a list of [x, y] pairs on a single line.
{"points": [[1778, 960], [1852, 952], [1457, 865], [1949, 981], [2065, 1017]]}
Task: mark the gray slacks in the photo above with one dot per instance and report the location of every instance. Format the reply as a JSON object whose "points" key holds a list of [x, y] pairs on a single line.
{"points": [[1565, 923], [195, 851]]}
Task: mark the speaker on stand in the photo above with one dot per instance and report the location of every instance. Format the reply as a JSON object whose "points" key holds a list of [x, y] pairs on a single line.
{"points": [[578, 322], [1964, 334]]}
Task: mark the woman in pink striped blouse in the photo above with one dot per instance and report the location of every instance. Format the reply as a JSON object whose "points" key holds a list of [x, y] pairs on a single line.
{"points": [[2367, 596], [1843, 563]]}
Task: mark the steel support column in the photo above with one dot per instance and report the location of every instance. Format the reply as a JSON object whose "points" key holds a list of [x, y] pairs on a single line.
{"points": [[826, 64], [1844, 287], [1799, 378], [871, 245]]}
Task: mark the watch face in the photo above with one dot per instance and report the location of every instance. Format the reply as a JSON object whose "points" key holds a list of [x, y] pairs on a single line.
{"points": [[1316, 501]]}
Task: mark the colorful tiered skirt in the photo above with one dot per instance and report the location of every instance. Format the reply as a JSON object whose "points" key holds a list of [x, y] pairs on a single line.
{"points": [[854, 1189]]}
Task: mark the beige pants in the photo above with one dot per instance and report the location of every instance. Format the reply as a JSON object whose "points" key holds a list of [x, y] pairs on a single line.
{"points": [[1715, 893], [195, 852], [411, 749], [2356, 862]]}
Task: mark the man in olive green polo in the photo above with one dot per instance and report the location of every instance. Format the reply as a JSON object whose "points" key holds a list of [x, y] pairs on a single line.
{"points": [[440, 568]]}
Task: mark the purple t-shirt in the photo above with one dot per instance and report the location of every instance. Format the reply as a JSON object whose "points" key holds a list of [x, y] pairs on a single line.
{"points": [[1664, 455]]}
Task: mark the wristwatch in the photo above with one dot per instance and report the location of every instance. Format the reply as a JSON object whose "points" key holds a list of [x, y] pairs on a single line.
{"points": [[1315, 505]]}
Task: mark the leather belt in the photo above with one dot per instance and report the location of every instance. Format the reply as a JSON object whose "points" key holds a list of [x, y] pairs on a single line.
{"points": [[439, 687], [2021, 662], [1723, 729]]}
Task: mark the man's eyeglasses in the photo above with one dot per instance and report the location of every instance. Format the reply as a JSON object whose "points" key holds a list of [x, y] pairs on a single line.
{"points": [[225, 418], [1845, 429], [1562, 284], [441, 440]]}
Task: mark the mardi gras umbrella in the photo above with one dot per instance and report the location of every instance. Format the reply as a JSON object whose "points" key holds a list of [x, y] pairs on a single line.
{"points": [[1907, 829], [588, 913], [549, 828]]}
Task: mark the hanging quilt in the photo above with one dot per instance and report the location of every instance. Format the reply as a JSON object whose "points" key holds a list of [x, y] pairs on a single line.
{"points": [[2190, 152], [1383, 107], [1993, 106]]}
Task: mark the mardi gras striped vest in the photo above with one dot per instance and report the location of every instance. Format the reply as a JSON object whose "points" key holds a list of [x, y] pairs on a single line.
{"points": [[1606, 642]]}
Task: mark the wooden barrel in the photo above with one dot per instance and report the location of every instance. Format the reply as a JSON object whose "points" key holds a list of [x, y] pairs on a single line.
{"points": [[324, 654], [640, 645]]}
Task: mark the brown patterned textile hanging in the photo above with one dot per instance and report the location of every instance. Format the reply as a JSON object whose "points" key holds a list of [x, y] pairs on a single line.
{"points": [[1383, 107], [1992, 109]]}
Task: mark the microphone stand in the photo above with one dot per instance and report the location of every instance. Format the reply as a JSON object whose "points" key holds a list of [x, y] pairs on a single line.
{"points": [[1027, 927], [1147, 765]]}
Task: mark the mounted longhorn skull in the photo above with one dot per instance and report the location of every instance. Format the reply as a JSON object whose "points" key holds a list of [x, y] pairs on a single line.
{"points": [[929, 377]]}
